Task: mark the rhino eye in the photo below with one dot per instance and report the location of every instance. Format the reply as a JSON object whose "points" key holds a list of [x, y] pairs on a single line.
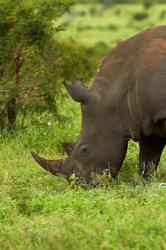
{"points": [[83, 149]]}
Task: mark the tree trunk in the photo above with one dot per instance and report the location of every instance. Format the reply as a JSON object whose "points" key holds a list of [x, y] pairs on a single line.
{"points": [[11, 113], [2, 120], [12, 103]]}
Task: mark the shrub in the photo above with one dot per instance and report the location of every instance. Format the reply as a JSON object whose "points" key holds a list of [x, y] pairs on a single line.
{"points": [[32, 61], [140, 16]]}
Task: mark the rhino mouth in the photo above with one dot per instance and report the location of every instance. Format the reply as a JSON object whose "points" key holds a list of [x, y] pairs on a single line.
{"points": [[72, 171]]}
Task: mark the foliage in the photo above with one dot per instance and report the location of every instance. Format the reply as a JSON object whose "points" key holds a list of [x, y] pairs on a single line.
{"points": [[33, 62]]}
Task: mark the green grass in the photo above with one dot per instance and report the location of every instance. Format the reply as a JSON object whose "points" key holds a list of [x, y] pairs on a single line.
{"points": [[40, 211], [112, 24]]}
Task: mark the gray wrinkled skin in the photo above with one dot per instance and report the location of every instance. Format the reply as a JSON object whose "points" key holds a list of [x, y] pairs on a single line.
{"points": [[126, 100]]}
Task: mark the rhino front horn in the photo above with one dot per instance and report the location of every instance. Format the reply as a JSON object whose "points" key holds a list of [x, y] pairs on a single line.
{"points": [[53, 166]]}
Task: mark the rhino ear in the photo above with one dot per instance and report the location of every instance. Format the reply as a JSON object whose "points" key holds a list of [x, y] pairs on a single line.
{"points": [[78, 91], [68, 147]]}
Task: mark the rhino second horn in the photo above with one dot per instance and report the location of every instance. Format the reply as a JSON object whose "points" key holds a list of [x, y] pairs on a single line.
{"points": [[78, 91], [53, 166]]}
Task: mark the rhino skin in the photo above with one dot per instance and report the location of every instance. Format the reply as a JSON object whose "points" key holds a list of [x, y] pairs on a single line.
{"points": [[126, 100]]}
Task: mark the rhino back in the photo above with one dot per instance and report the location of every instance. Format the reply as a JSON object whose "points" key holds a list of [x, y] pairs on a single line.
{"points": [[132, 78]]}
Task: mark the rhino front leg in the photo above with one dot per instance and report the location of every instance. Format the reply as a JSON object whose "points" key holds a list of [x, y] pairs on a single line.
{"points": [[150, 152], [118, 155]]}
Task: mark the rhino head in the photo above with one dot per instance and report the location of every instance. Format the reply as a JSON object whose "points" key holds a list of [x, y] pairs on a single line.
{"points": [[92, 151]]}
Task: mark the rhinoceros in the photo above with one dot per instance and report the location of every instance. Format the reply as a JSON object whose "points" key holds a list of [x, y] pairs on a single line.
{"points": [[126, 100]]}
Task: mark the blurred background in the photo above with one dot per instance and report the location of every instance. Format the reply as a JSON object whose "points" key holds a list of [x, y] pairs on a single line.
{"points": [[100, 25]]}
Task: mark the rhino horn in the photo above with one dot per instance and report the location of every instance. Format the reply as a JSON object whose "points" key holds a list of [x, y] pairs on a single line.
{"points": [[78, 91], [53, 166]]}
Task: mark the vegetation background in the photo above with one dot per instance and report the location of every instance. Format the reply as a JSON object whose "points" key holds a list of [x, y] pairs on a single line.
{"points": [[41, 43]]}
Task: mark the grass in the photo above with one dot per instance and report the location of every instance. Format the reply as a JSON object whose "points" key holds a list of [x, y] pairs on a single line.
{"points": [[41, 211], [121, 217], [110, 25]]}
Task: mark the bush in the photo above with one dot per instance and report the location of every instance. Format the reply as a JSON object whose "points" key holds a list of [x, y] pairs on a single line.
{"points": [[140, 16], [97, 52], [33, 62]]}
